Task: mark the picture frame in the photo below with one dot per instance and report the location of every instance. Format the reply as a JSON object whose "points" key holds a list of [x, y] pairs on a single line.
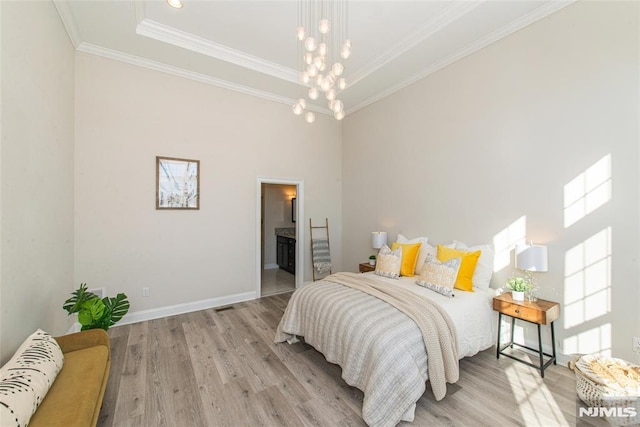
{"points": [[177, 183]]}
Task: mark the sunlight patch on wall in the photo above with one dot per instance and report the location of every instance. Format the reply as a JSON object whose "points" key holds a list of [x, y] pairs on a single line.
{"points": [[595, 340], [587, 284], [505, 331], [506, 239], [588, 191]]}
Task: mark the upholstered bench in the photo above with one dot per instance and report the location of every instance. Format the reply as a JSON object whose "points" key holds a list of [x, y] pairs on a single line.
{"points": [[75, 396]]}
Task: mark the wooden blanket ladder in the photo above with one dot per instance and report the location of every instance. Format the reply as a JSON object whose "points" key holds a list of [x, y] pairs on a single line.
{"points": [[320, 249]]}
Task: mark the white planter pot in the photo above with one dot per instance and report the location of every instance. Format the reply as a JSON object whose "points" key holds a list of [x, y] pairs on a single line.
{"points": [[372, 262], [517, 296]]}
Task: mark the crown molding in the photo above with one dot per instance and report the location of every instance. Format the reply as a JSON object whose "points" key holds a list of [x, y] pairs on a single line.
{"points": [[140, 10], [445, 17], [68, 20], [528, 19], [180, 72], [157, 31]]}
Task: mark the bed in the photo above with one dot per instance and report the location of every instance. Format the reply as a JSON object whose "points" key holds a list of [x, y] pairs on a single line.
{"points": [[380, 349]]}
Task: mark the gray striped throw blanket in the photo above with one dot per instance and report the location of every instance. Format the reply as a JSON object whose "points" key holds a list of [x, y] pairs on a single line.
{"points": [[321, 255], [381, 335]]}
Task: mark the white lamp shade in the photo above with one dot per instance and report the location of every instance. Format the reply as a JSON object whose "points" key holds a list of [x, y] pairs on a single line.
{"points": [[378, 239], [531, 257]]}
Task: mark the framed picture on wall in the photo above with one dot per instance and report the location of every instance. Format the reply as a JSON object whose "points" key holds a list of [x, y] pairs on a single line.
{"points": [[177, 183]]}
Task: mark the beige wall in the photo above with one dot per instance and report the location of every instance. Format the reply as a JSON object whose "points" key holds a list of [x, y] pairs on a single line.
{"points": [[495, 137], [462, 154], [125, 116], [36, 222]]}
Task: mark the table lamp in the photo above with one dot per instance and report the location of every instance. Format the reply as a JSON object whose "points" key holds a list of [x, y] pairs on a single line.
{"points": [[531, 258], [378, 240]]}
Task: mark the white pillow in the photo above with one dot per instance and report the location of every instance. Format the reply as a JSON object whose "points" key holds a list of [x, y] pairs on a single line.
{"points": [[439, 276], [484, 269], [389, 262], [27, 377], [425, 249]]}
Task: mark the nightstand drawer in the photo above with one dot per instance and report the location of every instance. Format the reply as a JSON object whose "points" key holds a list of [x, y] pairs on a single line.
{"points": [[540, 311], [530, 314]]}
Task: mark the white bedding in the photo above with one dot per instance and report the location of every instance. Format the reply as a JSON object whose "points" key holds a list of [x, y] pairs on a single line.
{"points": [[472, 313], [381, 351]]}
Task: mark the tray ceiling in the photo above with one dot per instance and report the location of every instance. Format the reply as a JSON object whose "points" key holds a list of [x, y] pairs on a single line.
{"points": [[250, 46]]}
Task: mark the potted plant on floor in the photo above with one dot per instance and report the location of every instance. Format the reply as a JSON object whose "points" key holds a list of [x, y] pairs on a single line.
{"points": [[93, 312]]}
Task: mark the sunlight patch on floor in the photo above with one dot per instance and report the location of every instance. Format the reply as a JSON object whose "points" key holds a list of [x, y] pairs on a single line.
{"points": [[536, 403]]}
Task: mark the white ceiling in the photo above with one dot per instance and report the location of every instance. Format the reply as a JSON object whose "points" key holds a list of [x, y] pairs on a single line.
{"points": [[250, 46]]}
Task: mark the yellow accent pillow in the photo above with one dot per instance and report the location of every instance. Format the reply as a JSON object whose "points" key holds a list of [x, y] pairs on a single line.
{"points": [[467, 267], [409, 257]]}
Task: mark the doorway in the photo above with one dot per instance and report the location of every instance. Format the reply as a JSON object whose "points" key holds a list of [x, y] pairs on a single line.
{"points": [[280, 235]]}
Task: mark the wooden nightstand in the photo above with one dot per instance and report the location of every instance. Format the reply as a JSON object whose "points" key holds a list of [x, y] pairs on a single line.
{"points": [[365, 266], [540, 312]]}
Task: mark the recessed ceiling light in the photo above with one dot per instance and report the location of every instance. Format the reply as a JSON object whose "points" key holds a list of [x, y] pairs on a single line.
{"points": [[175, 3]]}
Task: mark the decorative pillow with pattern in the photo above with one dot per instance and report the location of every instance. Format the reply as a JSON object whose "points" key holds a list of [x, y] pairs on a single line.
{"points": [[389, 262], [439, 276], [464, 281], [409, 257], [27, 377]]}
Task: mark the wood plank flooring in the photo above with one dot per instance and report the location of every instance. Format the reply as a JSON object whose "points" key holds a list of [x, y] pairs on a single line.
{"points": [[220, 367]]}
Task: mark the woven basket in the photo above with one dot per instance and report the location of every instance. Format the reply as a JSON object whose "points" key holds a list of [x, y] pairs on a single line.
{"points": [[607, 382]]}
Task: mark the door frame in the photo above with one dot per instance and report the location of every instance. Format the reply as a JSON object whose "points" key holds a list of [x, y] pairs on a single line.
{"points": [[299, 228]]}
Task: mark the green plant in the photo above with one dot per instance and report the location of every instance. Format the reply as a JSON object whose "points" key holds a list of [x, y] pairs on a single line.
{"points": [[93, 312], [519, 284], [372, 257]]}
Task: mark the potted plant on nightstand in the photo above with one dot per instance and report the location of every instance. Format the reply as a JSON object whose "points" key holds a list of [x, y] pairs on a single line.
{"points": [[518, 286], [372, 260]]}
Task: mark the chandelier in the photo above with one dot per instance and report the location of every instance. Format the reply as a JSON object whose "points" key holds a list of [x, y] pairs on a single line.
{"points": [[323, 46]]}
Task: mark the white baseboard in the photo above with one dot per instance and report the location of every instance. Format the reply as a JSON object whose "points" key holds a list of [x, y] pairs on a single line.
{"points": [[561, 358], [172, 310], [270, 266]]}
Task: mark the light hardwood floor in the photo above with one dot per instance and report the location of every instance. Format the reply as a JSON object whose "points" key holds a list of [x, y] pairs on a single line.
{"points": [[221, 368]]}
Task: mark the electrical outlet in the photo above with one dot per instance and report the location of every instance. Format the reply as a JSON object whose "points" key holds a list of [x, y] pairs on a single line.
{"points": [[146, 292], [636, 344]]}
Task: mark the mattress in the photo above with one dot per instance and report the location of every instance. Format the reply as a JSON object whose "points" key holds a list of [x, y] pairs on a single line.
{"points": [[471, 312]]}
